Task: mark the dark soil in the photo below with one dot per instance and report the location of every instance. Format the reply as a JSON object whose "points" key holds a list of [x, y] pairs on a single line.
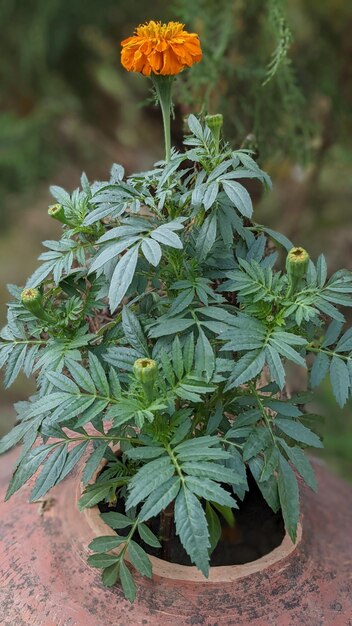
{"points": [[257, 531]]}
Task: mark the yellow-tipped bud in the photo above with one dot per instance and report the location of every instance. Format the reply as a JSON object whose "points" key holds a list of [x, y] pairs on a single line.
{"points": [[146, 371], [32, 300], [297, 262], [57, 212]]}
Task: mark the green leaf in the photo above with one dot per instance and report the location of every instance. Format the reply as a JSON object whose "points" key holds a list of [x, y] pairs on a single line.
{"points": [[206, 236], [133, 331], [191, 527], [107, 543], [139, 559], [320, 369], [177, 360], [258, 440], [340, 379], [289, 497], [148, 536], [148, 478], [62, 382], [204, 356], [98, 375], [102, 560], [159, 499], [116, 520], [72, 458], [81, 377], [170, 327], [167, 237], [93, 462], [214, 471], [122, 277], [17, 433], [247, 368], [269, 487], [209, 490], [276, 368], [239, 196], [152, 251], [28, 466], [127, 582], [14, 364], [50, 473], [145, 452], [297, 431], [214, 526], [110, 575], [301, 463]]}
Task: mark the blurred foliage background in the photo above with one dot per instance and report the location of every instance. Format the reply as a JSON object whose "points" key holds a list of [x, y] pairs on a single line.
{"points": [[279, 70]]}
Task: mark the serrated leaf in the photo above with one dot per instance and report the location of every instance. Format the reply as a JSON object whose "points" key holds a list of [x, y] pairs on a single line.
{"points": [[289, 497], [98, 375], [139, 559], [299, 459], [127, 582], [102, 560], [214, 526], [159, 499], [319, 369], [204, 356], [340, 380], [191, 527], [298, 432], [110, 575], [148, 536], [93, 462], [258, 440], [208, 489], [106, 543], [122, 277], [28, 466], [116, 520], [50, 473]]}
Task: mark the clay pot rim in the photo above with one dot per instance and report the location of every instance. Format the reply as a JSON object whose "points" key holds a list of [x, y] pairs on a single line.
{"points": [[189, 573]]}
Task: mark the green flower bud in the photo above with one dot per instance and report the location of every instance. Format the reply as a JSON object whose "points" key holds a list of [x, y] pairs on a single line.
{"points": [[57, 212], [146, 371], [297, 262], [32, 300], [214, 123]]}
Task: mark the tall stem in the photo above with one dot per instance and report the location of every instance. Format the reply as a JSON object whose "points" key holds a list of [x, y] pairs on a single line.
{"points": [[163, 85]]}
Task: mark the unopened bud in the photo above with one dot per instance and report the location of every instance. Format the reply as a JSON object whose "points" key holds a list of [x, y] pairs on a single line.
{"points": [[57, 212], [32, 300], [214, 123], [297, 262], [146, 371]]}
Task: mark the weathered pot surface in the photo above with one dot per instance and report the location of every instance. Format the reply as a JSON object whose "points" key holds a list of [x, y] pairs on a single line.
{"points": [[45, 580]]}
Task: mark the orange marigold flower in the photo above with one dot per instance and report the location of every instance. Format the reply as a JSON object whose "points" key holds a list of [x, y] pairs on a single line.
{"points": [[157, 48]]}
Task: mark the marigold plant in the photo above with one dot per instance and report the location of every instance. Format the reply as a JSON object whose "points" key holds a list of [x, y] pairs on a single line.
{"points": [[159, 328]]}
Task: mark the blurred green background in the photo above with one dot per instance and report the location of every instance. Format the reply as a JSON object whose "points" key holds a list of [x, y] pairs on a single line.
{"points": [[281, 73]]}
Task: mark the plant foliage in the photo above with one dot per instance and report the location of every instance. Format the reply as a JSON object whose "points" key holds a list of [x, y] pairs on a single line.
{"points": [[167, 270]]}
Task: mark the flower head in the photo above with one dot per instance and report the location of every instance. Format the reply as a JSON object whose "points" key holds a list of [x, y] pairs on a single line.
{"points": [[162, 49]]}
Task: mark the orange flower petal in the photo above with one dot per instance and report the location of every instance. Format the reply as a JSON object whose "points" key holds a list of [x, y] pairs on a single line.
{"points": [[160, 48]]}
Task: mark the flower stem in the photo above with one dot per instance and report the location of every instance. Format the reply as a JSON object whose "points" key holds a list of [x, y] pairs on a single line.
{"points": [[162, 86]]}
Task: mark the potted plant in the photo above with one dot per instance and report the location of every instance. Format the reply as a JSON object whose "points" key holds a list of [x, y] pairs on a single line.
{"points": [[159, 329]]}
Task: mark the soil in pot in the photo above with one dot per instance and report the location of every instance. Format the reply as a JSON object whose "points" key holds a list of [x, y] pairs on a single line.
{"points": [[256, 532]]}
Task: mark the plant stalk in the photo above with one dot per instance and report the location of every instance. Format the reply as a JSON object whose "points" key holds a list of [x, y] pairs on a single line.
{"points": [[162, 86]]}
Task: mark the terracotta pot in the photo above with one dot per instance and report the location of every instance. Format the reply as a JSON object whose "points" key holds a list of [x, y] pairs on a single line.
{"points": [[45, 580]]}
